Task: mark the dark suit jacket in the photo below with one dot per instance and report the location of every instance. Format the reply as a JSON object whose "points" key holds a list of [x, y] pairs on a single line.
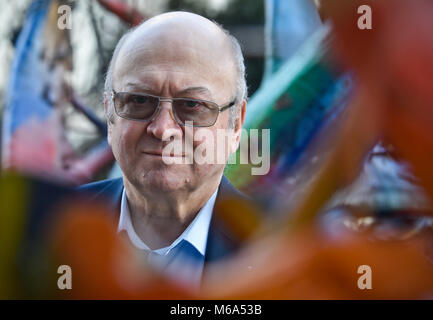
{"points": [[222, 238]]}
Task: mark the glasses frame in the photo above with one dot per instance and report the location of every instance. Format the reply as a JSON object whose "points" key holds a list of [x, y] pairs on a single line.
{"points": [[172, 111]]}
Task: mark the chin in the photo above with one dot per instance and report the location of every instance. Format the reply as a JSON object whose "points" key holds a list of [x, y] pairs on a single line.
{"points": [[165, 180]]}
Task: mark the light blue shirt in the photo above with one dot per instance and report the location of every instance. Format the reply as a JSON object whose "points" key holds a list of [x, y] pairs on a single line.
{"points": [[187, 272]]}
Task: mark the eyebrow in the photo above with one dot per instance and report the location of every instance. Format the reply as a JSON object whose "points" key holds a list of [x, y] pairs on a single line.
{"points": [[141, 87], [196, 90], [138, 87]]}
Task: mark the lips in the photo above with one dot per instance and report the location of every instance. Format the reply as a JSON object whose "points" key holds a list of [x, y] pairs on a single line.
{"points": [[159, 154]]}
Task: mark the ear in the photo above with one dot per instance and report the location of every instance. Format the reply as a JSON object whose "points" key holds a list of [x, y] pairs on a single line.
{"points": [[237, 131], [109, 124]]}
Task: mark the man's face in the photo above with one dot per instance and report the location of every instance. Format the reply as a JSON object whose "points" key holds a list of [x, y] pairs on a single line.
{"points": [[173, 65]]}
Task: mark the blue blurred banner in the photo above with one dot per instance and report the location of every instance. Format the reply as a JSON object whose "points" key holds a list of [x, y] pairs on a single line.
{"points": [[26, 108], [288, 24]]}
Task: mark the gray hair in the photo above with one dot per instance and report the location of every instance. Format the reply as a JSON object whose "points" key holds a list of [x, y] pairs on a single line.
{"points": [[241, 89]]}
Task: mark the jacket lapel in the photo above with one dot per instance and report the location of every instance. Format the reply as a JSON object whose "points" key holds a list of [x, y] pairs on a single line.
{"points": [[222, 241]]}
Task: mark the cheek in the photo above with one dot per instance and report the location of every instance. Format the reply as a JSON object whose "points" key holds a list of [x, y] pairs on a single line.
{"points": [[212, 146], [223, 119], [124, 137]]}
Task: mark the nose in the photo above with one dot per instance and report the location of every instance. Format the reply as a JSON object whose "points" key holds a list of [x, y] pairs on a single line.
{"points": [[164, 127]]}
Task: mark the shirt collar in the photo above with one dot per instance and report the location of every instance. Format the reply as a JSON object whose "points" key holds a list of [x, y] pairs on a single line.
{"points": [[196, 233]]}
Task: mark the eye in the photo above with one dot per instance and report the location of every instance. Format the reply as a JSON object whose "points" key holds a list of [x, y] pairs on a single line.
{"points": [[139, 99], [191, 103]]}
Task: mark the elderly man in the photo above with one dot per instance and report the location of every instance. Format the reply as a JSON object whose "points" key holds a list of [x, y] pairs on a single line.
{"points": [[170, 79]]}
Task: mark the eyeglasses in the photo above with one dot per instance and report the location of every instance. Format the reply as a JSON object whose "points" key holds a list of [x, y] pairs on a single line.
{"points": [[186, 112]]}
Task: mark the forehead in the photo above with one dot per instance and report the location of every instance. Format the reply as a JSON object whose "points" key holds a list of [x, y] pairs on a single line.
{"points": [[185, 59]]}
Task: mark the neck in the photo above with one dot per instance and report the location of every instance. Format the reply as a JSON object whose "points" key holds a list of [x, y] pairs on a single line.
{"points": [[160, 218]]}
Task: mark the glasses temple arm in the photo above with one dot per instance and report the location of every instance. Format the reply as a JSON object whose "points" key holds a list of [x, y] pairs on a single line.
{"points": [[227, 106]]}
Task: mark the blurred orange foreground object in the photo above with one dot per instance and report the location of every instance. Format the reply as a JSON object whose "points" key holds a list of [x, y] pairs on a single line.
{"points": [[393, 62], [305, 266], [103, 265], [311, 266]]}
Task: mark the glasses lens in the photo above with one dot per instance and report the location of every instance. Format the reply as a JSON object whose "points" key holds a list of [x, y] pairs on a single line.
{"points": [[200, 113], [135, 106]]}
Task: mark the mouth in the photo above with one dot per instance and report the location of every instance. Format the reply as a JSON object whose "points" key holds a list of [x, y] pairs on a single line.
{"points": [[160, 154]]}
